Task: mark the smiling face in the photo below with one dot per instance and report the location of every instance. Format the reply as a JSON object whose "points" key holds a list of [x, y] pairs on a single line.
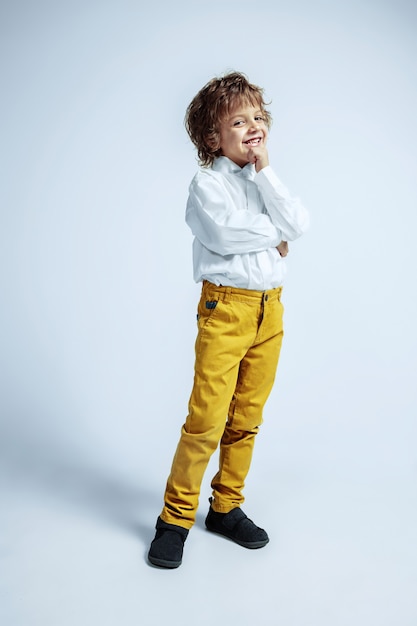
{"points": [[243, 128]]}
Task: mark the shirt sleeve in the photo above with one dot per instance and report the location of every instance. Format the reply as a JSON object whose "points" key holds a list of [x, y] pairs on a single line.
{"points": [[215, 222], [287, 213]]}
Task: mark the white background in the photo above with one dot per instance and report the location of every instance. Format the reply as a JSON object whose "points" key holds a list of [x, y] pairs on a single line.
{"points": [[97, 315]]}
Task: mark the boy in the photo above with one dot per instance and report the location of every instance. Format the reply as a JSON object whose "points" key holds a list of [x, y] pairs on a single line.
{"points": [[241, 217]]}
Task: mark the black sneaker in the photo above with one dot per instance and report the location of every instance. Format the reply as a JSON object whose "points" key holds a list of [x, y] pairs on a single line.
{"points": [[236, 526], [168, 545]]}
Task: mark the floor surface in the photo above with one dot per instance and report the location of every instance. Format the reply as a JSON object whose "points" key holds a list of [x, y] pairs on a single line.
{"points": [[74, 540]]}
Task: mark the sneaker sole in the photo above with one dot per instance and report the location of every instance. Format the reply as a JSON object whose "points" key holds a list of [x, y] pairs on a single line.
{"points": [[163, 563]]}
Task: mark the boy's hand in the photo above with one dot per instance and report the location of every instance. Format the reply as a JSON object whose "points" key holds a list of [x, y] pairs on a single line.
{"points": [[283, 248], [258, 156]]}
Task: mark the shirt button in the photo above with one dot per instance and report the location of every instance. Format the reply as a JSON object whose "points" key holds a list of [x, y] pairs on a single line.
{"points": [[266, 297]]}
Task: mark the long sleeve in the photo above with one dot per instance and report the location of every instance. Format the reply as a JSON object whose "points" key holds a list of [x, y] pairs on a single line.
{"points": [[214, 219], [287, 213], [238, 218]]}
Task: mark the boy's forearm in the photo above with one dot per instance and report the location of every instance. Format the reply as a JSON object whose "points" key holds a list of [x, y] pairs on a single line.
{"points": [[222, 229], [230, 239]]}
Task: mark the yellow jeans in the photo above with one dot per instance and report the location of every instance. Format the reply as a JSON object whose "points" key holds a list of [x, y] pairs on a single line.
{"points": [[237, 349]]}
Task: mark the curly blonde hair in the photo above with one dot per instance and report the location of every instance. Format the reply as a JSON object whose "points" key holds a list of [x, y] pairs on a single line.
{"points": [[212, 104]]}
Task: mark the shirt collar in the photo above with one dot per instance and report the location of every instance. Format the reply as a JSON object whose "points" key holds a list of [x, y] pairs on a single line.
{"points": [[227, 166]]}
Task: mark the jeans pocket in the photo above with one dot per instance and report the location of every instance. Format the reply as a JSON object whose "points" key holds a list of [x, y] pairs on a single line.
{"points": [[206, 311]]}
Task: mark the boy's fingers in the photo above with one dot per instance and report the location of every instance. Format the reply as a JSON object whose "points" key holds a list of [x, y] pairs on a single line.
{"points": [[283, 248], [258, 156], [252, 156]]}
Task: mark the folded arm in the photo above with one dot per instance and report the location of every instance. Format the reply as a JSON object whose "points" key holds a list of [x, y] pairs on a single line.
{"points": [[216, 223]]}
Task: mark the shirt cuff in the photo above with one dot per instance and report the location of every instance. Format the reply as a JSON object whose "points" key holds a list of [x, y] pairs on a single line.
{"points": [[266, 177]]}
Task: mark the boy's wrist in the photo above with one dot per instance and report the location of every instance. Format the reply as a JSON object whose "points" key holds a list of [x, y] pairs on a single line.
{"points": [[266, 168], [260, 164]]}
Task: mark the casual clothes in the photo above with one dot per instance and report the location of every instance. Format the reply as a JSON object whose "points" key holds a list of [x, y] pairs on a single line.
{"points": [[238, 217]]}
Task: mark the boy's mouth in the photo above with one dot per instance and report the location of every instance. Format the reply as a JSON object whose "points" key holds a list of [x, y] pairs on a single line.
{"points": [[255, 141]]}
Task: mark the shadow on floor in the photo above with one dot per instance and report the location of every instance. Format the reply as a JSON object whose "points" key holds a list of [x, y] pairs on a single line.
{"points": [[97, 489]]}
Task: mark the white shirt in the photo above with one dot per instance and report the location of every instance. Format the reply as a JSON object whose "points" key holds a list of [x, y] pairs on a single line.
{"points": [[238, 217]]}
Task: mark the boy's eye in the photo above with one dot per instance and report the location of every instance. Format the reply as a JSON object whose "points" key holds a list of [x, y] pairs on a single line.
{"points": [[238, 123], [259, 118]]}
